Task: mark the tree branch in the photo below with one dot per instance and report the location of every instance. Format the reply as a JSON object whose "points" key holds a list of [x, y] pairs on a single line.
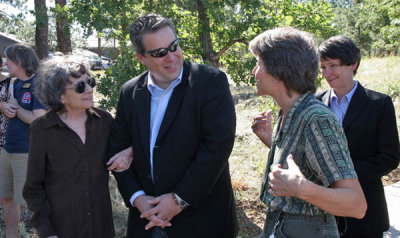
{"points": [[223, 50]]}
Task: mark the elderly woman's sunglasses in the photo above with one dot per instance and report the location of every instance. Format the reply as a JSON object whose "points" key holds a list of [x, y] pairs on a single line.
{"points": [[81, 85], [161, 52]]}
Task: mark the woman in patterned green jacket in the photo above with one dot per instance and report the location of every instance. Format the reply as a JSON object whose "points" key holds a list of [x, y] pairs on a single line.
{"points": [[309, 174]]}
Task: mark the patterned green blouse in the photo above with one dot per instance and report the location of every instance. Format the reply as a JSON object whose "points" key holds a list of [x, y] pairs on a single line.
{"points": [[315, 138]]}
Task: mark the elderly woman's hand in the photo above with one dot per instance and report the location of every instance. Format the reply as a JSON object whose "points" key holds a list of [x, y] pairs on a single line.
{"points": [[262, 127], [285, 182], [121, 161]]}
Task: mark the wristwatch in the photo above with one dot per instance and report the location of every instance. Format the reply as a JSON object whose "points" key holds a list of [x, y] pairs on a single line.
{"points": [[179, 201]]}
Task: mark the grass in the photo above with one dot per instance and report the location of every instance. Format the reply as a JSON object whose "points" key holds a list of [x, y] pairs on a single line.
{"points": [[249, 155]]}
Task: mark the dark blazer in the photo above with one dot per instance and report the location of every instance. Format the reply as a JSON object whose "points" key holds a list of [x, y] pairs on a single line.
{"points": [[371, 132], [190, 155]]}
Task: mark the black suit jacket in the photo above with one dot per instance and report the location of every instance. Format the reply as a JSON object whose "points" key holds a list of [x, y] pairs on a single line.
{"points": [[371, 132], [190, 155]]}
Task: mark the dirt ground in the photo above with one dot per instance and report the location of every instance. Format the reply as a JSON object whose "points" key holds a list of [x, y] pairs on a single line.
{"points": [[392, 178]]}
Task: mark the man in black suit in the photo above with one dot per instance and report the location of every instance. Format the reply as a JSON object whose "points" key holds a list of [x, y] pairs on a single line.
{"points": [[179, 118], [369, 122]]}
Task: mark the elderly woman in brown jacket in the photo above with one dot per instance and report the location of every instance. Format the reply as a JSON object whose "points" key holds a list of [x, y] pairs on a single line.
{"points": [[67, 178]]}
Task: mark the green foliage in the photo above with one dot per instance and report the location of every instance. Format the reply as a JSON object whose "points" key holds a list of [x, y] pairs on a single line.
{"points": [[391, 33], [125, 68], [11, 22], [374, 25], [111, 19], [238, 61], [315, 16], [269, 104], [228, 25], [106, 16]]}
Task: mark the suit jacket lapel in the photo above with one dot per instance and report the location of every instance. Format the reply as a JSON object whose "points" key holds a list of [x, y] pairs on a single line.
{"points": [[141, 105], [174, 102], [326, 98], [357, 104]]}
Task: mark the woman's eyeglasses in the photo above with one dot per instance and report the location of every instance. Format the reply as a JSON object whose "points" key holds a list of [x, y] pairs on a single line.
{"points": [[81, 85], [161, 52]]}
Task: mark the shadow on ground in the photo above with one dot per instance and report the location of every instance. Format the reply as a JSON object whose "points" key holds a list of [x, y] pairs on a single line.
{"points": [[251, 215]]}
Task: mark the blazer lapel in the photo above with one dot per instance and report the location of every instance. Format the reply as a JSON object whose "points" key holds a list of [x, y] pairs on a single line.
{"points": [[357, 104], [174, 102], [326, 98], [141, 105]]}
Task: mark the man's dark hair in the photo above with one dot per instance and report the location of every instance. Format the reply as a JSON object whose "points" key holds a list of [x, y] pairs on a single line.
{"points": [[342, 48], [147, 24]]}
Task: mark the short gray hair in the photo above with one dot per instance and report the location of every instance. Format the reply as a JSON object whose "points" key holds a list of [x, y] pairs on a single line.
{"points": [[149, 23], [24, 56], [290, 55], [53, 75]]}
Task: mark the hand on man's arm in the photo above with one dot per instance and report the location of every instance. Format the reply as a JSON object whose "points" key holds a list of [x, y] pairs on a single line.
{"points": [[121, 161]]}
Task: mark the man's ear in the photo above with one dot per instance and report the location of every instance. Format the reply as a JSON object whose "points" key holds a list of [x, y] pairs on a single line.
{"points": [[141, 59], [354, 66]]}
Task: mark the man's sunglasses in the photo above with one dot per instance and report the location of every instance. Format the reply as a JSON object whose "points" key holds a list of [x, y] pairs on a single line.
{"points": [[81, 85], [161, 52]]}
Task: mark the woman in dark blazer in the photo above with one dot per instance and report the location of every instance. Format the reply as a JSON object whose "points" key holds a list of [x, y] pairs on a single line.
{"points": [[369, 122], [67, 178]]}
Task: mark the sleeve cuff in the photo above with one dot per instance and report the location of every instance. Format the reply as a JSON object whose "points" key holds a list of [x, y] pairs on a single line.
{"points": [[135, 195]]}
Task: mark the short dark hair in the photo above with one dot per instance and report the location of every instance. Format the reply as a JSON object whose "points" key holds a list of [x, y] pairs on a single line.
{"points": [[53, 75], [147, 24], [290, 55], [24, 56], [342, 48]]}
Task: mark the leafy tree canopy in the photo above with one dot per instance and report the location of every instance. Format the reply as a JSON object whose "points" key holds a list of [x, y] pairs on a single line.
{"points": [[214, 32]]}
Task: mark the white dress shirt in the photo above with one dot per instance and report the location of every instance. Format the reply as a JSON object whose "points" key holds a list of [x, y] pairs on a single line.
{"points": [[340, 109], [159, 102]]}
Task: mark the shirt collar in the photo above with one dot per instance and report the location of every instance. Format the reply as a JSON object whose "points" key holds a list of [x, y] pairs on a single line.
{"points": [[53, 119], [348, 96], [151, 85], [290, 116]]}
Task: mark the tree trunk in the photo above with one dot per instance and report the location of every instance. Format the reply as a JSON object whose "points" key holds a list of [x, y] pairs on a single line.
{"points": [[42, 29], [205, 36], [99, 46], [63, 29]]}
